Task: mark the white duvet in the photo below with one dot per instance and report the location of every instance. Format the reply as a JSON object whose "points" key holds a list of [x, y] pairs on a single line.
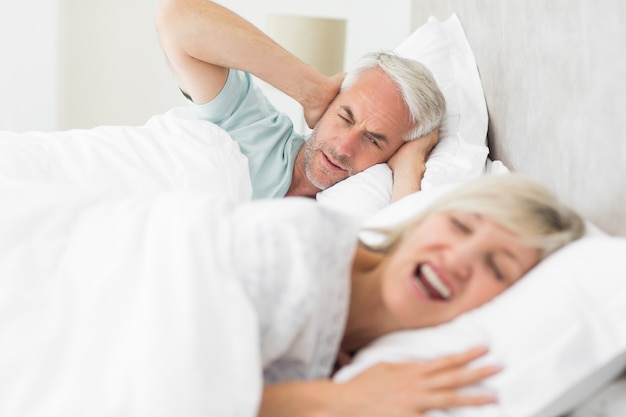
{"points": [[103, 309], [128, 276], [170, 152]]}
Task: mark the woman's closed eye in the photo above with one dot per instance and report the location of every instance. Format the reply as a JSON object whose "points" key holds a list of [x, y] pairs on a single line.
{"points": [[497, 272], [460, 225]]}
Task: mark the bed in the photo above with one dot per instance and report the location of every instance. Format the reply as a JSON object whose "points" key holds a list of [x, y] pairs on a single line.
{"points": [[529, 88]]}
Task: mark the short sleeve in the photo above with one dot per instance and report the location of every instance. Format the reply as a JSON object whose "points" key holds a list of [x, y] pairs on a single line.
{"points": [[265, 135]]}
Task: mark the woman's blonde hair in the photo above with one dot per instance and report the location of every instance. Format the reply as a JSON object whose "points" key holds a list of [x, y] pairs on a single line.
{"points": [[513, 201]]}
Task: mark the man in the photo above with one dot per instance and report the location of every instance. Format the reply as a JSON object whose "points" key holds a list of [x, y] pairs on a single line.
{"points": [[371, 116]]}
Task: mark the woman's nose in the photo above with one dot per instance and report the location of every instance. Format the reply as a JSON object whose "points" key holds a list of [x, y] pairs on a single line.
{"points": [[461, 260]]}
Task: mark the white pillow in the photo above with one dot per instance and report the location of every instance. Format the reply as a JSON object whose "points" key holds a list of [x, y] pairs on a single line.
{"points": [[462, 151], [559, 332], [609, 402]]}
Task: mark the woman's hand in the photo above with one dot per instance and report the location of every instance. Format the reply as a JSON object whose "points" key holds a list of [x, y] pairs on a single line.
{"points": [[406, 389], [411, 389], [317, 101], [409, 164]]}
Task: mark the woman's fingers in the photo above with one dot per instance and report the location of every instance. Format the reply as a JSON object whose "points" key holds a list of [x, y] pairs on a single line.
{"points": [[455, 360], [452, 371], [452, 399], [412, 388], [455, 378]]}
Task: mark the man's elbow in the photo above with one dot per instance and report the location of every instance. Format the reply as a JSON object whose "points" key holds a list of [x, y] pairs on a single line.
{"points": [[165, 15], [173, 16]]}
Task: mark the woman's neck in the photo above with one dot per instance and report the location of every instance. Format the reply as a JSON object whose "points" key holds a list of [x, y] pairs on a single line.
{"points": [[367, 316]]}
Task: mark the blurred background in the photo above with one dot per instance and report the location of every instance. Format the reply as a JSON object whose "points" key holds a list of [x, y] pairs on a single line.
{"points": [[83, 63]]}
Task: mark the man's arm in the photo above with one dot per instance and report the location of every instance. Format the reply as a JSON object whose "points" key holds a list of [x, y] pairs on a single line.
{"points": [[408, 164], [202, 40]]}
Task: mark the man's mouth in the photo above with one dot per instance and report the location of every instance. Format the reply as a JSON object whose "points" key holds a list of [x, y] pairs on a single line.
{"points": [[431, 284], [333, 164]]}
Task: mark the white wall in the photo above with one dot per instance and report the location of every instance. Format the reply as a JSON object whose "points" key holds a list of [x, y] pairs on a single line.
{"points": [[112, 68], [28, 68], [82, 63]]}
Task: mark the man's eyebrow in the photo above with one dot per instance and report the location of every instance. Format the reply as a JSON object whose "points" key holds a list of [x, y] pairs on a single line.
{"points": [[379, 136], [348, 111]]}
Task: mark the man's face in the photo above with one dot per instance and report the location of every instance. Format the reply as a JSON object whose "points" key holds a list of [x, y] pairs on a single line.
{"points": [[362, 127]]}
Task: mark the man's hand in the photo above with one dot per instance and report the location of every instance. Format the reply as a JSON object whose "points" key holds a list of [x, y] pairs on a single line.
{"points": [[317, 101], [409, 164]]}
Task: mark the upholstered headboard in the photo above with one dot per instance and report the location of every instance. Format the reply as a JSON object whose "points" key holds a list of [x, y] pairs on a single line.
{"points": [[554, 80]]}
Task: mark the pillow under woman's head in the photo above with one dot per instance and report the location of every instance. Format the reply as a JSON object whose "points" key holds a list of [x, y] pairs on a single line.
{"points": [[558, 332]]}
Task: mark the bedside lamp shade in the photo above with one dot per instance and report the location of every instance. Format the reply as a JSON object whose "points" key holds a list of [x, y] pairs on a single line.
{"points": [[319, 42]]}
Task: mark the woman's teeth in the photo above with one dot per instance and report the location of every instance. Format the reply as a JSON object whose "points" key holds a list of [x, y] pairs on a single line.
{"points": [[434, 286]]}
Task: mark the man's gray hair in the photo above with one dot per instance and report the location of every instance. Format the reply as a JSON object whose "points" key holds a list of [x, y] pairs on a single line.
{"points": [[415, 82]]}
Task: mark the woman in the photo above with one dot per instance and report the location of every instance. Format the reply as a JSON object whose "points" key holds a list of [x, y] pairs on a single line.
{"points": [[181, 304], [463, 251]]}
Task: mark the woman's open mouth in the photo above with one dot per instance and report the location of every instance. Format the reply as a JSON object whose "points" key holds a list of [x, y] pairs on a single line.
{"points": [[431, 284]]}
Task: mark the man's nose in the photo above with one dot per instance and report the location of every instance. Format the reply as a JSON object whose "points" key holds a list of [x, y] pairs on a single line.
{"points": [[348, 143]]}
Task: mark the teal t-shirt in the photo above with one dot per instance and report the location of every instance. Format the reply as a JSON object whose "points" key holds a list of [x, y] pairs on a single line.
{"points": [[265, 135]]}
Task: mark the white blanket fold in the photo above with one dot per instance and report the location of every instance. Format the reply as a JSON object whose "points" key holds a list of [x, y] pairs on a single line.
{"points": [[169, 152], [113, 284], [122, 307]]}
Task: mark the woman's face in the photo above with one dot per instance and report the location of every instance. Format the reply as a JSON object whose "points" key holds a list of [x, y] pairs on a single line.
{"points": [[449, 264]]}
